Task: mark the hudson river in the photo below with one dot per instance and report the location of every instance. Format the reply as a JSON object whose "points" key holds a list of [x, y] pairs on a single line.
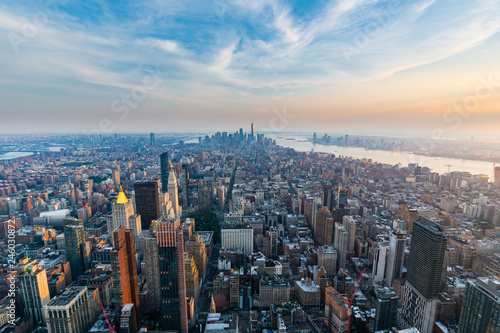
{"points": [[437, 164]]}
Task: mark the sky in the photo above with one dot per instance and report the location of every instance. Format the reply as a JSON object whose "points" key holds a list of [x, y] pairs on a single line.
{"points": [[427, 67]]}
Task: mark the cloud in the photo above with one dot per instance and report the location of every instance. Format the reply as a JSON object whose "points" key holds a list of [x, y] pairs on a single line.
{"points": [[247, 52]]}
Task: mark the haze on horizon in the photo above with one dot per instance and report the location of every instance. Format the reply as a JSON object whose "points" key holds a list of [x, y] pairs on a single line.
{"points": [[364, 66]]}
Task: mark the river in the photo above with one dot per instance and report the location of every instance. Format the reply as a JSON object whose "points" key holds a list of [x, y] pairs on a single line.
{"points": [[14, 154], [436, 164]]}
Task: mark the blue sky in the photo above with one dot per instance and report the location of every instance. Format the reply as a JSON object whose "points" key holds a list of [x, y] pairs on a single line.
{"points": [[359, 66]]}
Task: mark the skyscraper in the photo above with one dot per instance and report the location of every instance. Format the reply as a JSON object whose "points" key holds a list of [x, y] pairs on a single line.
{"points": [[173, 191], [164, 168], [336, 311], [152, 268], [75, 310], [252, 132], [124, 269], [185, 186], [340, 244], [379, 262], [76, 247], [147, 202], [323, 229], [34, 289], [172, 274], [121, 211], [386, 309], [397, 246], [425, 269], [349, 223], [152, 140], [496, 174], [196, 249], [481, 306]]}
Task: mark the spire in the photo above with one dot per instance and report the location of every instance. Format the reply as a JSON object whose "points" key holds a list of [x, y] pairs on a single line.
{"points": [[122, 198]]}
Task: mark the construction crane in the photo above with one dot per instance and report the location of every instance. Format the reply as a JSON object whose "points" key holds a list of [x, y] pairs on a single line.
{"points": [[349, 312], [111, 328], [449, 166]]}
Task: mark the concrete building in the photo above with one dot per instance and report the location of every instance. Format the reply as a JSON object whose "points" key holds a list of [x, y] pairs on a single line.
{"points": [[172, 274], [481, 306], [397, 247], [340, 244], [196, 248], [327, 258], [74, 311], [336, 311], [232, 238], [349, 223], [34, 289], [308, 293], [425, 269], [273, 291]]}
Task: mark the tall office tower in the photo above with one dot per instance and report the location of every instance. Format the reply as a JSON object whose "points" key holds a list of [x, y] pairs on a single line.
{"points": [[172, 274], [204, 196], [379, 262], [221, 196], [34, 289], [75, 310], [496, 174], [329, 197], [76, 247], [481, 306], [164, 168], [233, 238], [323, 230], [346, 140], [147, 202], [173, 192], [152, 268], [152, 140], [343, 195], [327, 258], [192, 278], [116, 177], [185, 186], [349, 223], [425, 269], [314, 137], [397, 246], [134, 223], [121, 211], [196, 249], [252, 132], [242, 136], [386, 309], [336, 311], [270, 243], [340, 244], [124, 269]]}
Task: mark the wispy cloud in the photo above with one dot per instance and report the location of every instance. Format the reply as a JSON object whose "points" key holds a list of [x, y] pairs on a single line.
{"points": [[229, 51]]}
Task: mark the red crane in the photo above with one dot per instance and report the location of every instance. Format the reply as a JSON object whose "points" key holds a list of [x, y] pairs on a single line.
{"points": [[349, 313], [111, 328]]}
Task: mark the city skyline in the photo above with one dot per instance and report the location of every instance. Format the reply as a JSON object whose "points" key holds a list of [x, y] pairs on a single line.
{"points": [[364, 66]]}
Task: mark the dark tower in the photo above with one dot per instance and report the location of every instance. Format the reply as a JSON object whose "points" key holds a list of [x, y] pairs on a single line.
{"points": [[172, 274], [165, 167], [425, 264], [147, 202]]}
